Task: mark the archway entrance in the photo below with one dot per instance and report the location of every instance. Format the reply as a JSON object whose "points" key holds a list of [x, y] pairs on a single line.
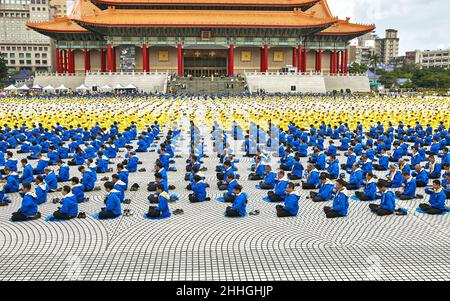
{"points": [[199, 62]]}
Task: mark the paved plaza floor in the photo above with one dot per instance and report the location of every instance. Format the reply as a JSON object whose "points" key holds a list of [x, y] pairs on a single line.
{"points": [[202, 244]]}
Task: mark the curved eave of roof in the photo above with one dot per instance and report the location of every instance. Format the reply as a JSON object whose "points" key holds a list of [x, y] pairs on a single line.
{"points": [[270, 3], [347, 28], [202, 18], [60, 25]]}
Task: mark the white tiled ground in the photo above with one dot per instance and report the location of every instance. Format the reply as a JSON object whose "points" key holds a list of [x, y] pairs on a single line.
{"points": [[202, 244]]}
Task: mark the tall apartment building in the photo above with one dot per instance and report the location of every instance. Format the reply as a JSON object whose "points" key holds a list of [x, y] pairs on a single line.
{"points": [[362, 48], [387, 48], [59, 8], [21, 47]]}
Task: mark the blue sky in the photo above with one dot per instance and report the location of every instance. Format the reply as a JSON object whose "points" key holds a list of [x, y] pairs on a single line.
{"points": [[422, 24]]}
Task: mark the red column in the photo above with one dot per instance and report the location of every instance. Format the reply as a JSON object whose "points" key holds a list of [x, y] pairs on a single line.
{"points": [[339, 62], [331, 62], [114, 59], [58, 61], [231, 60], [346, 61], [266, 58], [180, 60], [110, 58], [87, 61], [319, 58], [304, 60], [102, 60], [335, 61], [71, 61], [144, 58], [261, 60], [300, 60], [65, 69]]}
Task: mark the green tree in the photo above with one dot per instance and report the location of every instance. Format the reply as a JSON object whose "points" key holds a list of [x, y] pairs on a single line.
{"points": [[358, 68], [3, 70], [374, 60]]}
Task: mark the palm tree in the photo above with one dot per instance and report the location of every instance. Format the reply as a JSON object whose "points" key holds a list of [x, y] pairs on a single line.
{"points": [[374, 60]]}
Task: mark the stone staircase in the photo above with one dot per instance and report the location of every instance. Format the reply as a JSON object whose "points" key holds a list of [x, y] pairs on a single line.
{"points": [[207, 86]]}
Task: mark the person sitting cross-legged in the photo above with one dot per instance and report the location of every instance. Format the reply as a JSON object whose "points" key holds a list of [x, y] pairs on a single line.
{"points": [[113, 207], [437, 199], [326, 190], [270, 178], [409, 189], [69, 208], [370, 189], [291, 200], [198, 190], [239, 206], [279, 192], [387, 204], [340, 202], [162, 210], [29, 207]]}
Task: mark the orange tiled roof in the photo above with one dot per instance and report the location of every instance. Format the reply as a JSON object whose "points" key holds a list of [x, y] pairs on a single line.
{"points": [[345, 27], [211, 2], [322, 10], [83, 8], [63, 24], [204, 18]]}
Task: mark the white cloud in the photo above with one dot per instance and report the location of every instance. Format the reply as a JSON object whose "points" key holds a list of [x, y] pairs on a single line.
{"points": [[421, 24]]}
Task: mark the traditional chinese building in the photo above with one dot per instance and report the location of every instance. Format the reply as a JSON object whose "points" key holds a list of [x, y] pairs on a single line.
{"points": [[201, 37]]}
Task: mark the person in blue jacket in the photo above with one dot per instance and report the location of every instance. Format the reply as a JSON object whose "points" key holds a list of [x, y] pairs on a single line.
{"points": [[239, 207], [159, 180], [123, 174], [63, 171], [421, 176], [446, 185], [434, 168], [340, 202], [269, 181], [11, 181], [387, 204], [78, 189], [333, 168], [162, 210], [297, 170], [119, 186], [102, 163], [41, 165], [132, 163], [29, 208], [40, 190], [198, 190], [258, 175], [370, 189], [383, 162], [321, 161], [326, 190], [4, 199], [87, 178], [288, 162], [11, 162], [409, 188], [291, 202], [51, 180], [113, 206], [229, 195], [312, 178], [437, 199], [351, 159], [27, 173], [69, 208], [279, 192], [356, 178], [394, 179]]}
